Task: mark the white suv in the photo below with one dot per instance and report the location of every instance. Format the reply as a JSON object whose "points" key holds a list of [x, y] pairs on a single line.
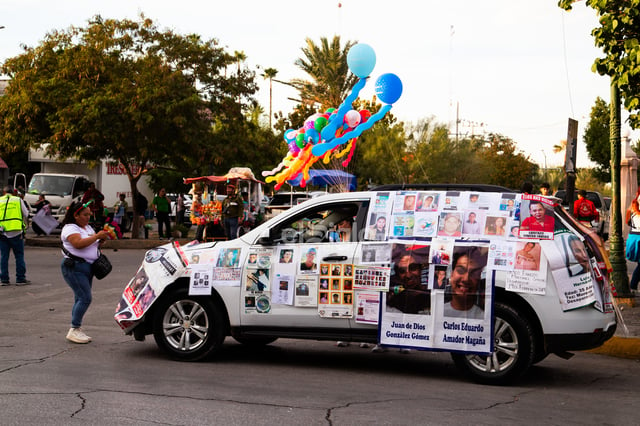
{"points": [[498, 279]]}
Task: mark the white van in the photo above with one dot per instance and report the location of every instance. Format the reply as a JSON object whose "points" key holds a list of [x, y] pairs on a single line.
{"points": [[499, 279]]}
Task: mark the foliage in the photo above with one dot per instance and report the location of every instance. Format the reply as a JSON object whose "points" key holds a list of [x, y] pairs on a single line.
{"points": [[618, 36], [326, 64], [122, 90], [596, 139]]}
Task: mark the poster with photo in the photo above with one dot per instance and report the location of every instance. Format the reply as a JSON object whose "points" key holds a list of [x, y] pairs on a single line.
{"points": [[473, 225], [450, 224], [257, 281], [513, 226], [375, 278], [529, 273], [536, 217], [380, 216], [426, 224], [282, 290], [502, 255], [428, 201], [306, 291], [335, 290], [478, 201], [460, 316], [229, 258], [408, 287], [438, 277], [201, 280], [495, 226], [403, 224], [367, 307], [451, 201], [508, 203], [209, 256], [375, 253], [441, 250], [285, 263], [570, 266], [307, 264], [405, 201]]}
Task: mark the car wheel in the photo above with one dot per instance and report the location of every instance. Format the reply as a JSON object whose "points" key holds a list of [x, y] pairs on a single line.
{"points": [[513, 352], [255, 340], [188, 328]]}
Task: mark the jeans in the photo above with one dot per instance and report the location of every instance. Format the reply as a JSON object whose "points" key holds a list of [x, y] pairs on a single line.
{"points": [[163, 218], [17, 245], [633, 284], [79, 278], [231, 227]]}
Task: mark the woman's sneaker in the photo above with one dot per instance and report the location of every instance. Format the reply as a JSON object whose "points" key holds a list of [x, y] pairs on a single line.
{"points": [[76, 335]]}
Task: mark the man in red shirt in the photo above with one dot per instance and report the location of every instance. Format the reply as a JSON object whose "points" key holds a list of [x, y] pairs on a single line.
{"points": [[538, 219], [583, 209]]}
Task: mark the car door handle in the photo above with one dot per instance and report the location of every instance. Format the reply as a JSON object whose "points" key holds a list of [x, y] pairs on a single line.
{"points": [[329, 258]]}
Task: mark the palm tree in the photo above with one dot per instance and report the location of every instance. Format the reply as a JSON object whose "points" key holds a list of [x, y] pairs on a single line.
{"points": [[270, 73], [326, 64]]}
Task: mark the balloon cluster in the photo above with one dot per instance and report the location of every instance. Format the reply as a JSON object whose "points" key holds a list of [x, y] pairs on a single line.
{"points": [[323, 134], [113, 229]]}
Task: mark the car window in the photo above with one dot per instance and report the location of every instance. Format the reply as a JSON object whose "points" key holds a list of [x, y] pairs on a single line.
{"points": [[318, 224]]}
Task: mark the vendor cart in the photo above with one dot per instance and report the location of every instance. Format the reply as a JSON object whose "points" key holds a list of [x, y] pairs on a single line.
{"points": [[208, 193]]}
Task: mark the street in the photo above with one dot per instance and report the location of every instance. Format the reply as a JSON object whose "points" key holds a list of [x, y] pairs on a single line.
{"points": [[116, 380]]}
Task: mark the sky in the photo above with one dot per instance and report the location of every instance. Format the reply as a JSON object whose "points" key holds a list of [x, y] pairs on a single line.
{"points": [[517, 68]]}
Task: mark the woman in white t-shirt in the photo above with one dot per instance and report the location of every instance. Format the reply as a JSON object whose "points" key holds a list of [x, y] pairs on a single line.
{"points": [[81, 248]]}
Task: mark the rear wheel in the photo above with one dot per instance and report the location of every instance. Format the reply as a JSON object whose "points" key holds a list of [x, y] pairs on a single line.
{"points": [[513, 352], [188, 328]]}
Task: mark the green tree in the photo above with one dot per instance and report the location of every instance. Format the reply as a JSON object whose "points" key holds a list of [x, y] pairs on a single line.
{"points": [[326, 64], [270, 73], [618, 36], [596, 139], [122, 90]]}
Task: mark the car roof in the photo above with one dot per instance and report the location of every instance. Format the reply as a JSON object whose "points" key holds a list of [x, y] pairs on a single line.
{"points": [[473, 187]]}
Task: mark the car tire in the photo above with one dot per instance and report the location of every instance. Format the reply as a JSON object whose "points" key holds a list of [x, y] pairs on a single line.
{"points": [[188, 328], [255, 341], [513, 353]]}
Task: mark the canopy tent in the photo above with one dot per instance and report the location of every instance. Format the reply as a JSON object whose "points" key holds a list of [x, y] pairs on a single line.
{"points": [[319, 177], [234, 174]]}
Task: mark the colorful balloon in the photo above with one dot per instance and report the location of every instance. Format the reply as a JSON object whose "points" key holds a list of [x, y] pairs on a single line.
{"points": [[388, 88], [361, 60], [352, 118]]}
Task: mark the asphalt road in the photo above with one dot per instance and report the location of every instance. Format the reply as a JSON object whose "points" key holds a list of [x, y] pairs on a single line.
{"points": [[116, 380]]}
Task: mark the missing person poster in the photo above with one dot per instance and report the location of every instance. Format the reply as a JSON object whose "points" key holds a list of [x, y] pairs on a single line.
{"points": [[571, 269], [457, 318]]}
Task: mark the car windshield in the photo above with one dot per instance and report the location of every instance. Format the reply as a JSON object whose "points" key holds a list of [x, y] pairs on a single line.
{"points": [[51, 185]]}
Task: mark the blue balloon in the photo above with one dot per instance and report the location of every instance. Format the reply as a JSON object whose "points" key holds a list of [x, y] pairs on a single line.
{"points": [[312, 135], [361, 60], [290, 135], [388, 88]]}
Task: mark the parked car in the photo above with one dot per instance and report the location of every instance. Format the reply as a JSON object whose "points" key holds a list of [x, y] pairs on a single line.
{"points": [[600, 203], [394, 266]]}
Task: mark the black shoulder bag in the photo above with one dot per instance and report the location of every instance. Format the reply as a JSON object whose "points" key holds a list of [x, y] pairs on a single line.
{"points": [[100, 268]]}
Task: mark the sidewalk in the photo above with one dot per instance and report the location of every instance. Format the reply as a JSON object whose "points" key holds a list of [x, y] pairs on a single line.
{"points": [[625, 343]]}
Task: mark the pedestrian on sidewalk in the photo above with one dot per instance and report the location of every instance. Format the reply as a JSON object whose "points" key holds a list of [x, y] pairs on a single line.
{"points": [[81, 247], [13, 222], [161, 205], [633, 239]]}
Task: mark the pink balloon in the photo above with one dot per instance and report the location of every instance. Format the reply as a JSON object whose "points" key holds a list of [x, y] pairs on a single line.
{"points": [[352, 118]]}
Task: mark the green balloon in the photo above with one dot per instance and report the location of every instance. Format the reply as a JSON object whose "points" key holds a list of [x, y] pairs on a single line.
{"points": [[300, 141], [320, 123]]}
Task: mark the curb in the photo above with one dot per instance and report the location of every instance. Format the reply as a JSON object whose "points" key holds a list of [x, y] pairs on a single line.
{"points": [[621, 347]]}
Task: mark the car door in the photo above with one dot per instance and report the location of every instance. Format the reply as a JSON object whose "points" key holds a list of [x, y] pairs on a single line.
{"points": [[283, 273]]}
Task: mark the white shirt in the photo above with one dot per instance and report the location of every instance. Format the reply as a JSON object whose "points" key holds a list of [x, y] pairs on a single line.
{"points": [[89, 253]]}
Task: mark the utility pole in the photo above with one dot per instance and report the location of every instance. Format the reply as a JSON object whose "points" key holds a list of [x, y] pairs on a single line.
{"points": [[619, 276]]}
